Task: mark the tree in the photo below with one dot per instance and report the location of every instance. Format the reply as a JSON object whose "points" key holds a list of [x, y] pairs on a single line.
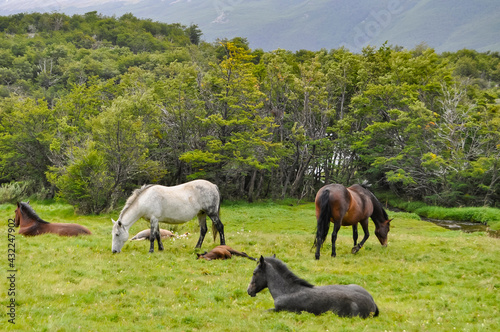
{"points": [[194, 34], [240, 141], [27, 127]]}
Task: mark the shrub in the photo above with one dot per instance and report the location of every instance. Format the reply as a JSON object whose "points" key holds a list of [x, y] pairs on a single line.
{"points": [[14, 191], [85, 183]]}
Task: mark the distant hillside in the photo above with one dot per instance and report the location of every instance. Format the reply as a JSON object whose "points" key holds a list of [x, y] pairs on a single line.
{"points": [[445, 25]]}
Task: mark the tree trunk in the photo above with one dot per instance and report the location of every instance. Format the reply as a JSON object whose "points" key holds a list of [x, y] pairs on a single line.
{"points": [[252, 186]]}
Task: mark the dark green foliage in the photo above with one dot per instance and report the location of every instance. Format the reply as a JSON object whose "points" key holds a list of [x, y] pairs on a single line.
{"points": [[92, 107]]}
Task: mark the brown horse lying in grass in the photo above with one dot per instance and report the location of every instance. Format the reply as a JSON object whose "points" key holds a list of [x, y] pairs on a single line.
{"points": [[222, 252], [31, 224]]}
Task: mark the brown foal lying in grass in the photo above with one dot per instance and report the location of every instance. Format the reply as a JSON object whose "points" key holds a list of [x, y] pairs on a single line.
{"points": [[222, 252]]}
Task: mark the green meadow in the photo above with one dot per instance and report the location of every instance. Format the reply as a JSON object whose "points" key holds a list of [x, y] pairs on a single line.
{"points": [[427, 279]]}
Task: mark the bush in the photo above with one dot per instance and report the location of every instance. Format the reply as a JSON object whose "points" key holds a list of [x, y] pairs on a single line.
{"points": [[14, 191], [85, 183]]}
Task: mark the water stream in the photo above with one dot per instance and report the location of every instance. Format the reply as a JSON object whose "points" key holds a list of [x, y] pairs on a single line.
{"points": [[464, 226]]}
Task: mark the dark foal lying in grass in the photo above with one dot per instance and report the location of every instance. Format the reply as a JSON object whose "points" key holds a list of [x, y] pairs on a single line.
{"points": [[290, 293], [222, 252]]}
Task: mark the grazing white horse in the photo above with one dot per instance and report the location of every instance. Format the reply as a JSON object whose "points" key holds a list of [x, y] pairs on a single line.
{"points": [[172, 205]]}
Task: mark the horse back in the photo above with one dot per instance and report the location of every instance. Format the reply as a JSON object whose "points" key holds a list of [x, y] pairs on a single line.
{"points": [[338, 199], [59, 229], [360, 206], [347, 300], [218, 252], [68, 229], [179, 203]]}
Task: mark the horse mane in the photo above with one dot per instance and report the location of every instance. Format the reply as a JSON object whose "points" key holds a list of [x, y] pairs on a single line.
{"points": [[26, 208], [285, 272], [133, 198], [378, 207]]}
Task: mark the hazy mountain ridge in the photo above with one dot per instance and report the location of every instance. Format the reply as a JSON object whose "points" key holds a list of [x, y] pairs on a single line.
{"points": [[446, 25]]}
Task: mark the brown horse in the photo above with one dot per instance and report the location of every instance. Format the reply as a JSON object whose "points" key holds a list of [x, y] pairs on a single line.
{"points": [[31, 224], [348, 207], [223, 252]]}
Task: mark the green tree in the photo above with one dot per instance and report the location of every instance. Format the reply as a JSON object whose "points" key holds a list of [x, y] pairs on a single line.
{"points": [[194, 34], [241, 135], [26, 128]]}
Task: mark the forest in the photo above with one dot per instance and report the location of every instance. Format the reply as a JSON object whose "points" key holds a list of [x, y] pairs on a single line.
{"points": [[91, 107]]}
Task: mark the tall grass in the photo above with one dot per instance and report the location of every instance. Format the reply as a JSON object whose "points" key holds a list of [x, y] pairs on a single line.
{"points": [[427, 279]]}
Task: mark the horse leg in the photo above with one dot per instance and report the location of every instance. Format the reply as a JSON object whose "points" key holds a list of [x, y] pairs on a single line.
{"points": [[355, 233], [155, 235], [364, 224], [158, 239], [220, 228], [202, 220], [336, 228]]}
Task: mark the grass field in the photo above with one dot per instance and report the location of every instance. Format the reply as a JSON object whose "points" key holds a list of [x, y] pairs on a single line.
{"points": [[427, 279]]}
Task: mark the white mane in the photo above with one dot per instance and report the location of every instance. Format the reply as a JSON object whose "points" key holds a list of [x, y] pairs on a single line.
{"points": [[133, 198]]}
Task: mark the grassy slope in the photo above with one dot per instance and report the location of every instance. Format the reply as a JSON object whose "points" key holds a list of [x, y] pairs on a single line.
{"points": [[427, 278]]}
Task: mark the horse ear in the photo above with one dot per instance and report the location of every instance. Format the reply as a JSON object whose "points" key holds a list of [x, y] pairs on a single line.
{"points": [[18, 205], [274, 255], [28, 201], [114, 222], [261, 261]]}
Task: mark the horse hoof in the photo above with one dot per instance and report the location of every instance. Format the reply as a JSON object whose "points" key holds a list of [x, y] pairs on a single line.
{"points": [[355, 249]]}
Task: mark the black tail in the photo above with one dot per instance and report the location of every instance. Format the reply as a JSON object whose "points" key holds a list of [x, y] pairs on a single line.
{"points": [[325, 215]]}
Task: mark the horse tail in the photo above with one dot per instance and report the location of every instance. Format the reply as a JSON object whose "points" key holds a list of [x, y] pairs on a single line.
{"points": [[376, 311], [325, 215], [215, 232]]}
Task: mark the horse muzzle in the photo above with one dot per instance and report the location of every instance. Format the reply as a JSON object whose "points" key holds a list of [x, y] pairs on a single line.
{"points": [[251, 292], [116, 251]]}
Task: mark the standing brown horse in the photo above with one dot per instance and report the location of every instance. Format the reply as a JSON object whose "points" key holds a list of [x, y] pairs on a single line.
{"points": [[31, 224], [348, 207]]}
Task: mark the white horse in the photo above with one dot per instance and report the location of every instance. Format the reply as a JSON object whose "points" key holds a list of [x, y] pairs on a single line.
{"points": [[173, 205]]}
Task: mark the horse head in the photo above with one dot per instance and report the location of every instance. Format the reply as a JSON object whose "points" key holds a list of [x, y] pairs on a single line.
{"points": [[200, 255], [259, 278], [120, 236], [382, 230], [17, 217]]}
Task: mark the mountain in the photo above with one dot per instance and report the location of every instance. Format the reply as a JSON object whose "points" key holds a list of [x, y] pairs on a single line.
{"points": [[445, 25]]}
